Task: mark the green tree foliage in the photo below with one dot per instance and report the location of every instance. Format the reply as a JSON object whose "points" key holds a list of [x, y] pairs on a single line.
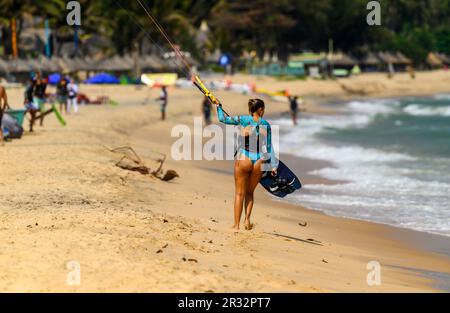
{"points": [[413, 27]]}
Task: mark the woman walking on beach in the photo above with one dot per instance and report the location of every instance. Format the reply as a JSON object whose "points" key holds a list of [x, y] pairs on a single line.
{"points": [[253, 156]]}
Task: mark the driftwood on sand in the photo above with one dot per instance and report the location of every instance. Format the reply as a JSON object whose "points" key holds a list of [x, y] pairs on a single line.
{"points": [[131, 161]]}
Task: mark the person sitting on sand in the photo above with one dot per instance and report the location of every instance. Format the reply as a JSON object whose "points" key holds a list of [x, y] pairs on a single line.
{"points": [[3, 106], [250, 157]]}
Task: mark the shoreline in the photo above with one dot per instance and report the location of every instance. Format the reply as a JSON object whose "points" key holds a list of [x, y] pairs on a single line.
{"points": [[110, 219], [430, 242]]}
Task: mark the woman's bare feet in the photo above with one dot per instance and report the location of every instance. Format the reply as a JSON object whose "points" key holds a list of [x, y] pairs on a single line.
{"points": [[235, 228], [248, 225]]}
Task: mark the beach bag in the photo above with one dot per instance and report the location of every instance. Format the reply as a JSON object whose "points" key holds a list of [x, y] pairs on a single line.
{"points": [[13, 129]]}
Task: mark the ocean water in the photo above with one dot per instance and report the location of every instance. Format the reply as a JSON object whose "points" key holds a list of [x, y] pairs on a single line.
{"points": [[391, 155]]}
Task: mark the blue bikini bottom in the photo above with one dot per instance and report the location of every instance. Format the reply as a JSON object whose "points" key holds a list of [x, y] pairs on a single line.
{"points": [[253, 156]]}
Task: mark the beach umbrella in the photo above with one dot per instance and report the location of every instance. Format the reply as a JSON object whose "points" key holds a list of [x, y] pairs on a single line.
{"points": [[54, 78], [102, 78]]}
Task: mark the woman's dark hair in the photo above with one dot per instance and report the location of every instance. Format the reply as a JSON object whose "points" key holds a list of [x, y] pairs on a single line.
{"points": [[255, 104]]}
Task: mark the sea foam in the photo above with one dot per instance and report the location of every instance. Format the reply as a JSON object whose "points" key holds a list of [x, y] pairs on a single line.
{"points": [[379, 185]]}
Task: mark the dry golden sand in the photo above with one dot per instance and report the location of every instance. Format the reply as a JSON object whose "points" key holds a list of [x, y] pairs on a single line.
{"points": [[62, 199]]}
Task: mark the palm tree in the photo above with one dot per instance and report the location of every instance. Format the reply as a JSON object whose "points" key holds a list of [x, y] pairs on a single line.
{"points": [[12, 14]]}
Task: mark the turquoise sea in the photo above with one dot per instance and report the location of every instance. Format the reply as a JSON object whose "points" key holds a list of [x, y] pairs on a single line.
{"points": [[391, 156]]}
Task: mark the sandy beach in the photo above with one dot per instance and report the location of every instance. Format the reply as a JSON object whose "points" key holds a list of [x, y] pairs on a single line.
{"points": [[62, 199]]}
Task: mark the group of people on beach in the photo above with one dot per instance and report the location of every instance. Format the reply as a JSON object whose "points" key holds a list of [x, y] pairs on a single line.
{"points": [[66, 95], [36, 97]]}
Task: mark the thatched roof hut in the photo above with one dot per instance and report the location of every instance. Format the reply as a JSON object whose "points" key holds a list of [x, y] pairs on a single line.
{"points": [[80, 64], [151, 63], [434, 61], [18, 66], [387, 58], [115, 64], [67, 64], [3, 66], [371, 59], [42, 64], [444, 58], [71, 65], [402, 59], [342, 59], [88, 64]]}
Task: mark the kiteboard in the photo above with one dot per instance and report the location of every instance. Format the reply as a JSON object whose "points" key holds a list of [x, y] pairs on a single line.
{"points": [[283, 183], [58, 115]]}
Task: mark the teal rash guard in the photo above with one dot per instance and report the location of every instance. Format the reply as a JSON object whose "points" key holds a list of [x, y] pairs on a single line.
{"points": [[261, 147]]}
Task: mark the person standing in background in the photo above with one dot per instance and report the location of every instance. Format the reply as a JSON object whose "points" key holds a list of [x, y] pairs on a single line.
{"points": [[206, 108], [29, 103], [3, 106], [163, 99], [61, 94], [39, 96], [72, 92], [293, 105]]}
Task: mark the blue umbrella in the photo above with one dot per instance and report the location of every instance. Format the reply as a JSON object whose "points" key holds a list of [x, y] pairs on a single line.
{"points": [[102, 78], [53, 79]]}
